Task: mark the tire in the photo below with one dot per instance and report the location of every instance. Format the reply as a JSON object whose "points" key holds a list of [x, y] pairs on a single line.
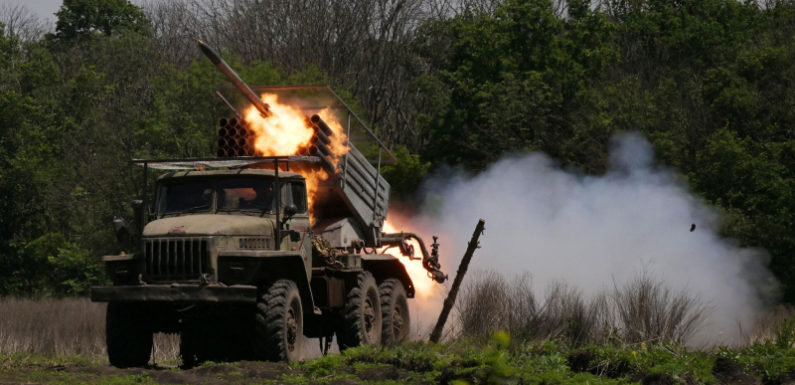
{"points": [[280, 323], [128, 335], [361, 317], [396, 323]]}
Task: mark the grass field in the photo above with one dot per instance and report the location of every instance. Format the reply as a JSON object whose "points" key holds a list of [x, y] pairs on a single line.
{"points": [[504, 336], [497, 361]]}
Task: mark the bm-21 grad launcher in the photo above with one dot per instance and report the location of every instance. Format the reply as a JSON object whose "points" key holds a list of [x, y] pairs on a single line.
{"points": [[230, 259]]}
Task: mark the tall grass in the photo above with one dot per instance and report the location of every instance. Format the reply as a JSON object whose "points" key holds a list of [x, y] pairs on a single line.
{"points": [[52, 327], [63, 327], [640, 311]]}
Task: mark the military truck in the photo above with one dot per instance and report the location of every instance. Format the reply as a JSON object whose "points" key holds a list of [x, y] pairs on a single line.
{"points": [[227, 257]]}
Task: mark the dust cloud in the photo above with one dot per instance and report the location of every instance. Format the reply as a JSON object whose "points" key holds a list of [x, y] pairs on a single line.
{"points": [[593, 232]]}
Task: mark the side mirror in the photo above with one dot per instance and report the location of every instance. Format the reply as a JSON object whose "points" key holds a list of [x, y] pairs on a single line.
{"points": [[290, 211], [122, 232]]}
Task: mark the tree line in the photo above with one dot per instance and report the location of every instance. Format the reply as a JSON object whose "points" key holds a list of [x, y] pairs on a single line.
{"points": [[444, 82]]}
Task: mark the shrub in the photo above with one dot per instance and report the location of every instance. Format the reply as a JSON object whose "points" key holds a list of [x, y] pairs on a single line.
{"points": [[641, 310]]}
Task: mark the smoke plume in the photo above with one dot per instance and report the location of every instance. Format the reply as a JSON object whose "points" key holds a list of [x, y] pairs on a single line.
{"points": [[594, 232]]}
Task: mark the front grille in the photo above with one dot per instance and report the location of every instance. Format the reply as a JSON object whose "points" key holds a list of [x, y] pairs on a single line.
{"points": [[176, 258], [254, 243]]}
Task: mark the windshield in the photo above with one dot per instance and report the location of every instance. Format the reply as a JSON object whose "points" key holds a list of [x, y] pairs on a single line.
{"points": [[196, 196], [246, 194], [239, 194]]}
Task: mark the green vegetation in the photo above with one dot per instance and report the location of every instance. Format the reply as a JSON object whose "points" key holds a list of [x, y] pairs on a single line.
{"points": [[709, 82], [496, 361]]}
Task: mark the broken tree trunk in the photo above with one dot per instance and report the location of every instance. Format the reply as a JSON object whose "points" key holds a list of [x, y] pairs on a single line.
{"points": [[459, 276]]}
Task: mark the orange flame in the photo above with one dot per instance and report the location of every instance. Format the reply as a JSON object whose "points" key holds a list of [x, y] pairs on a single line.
{"points": [[287, 131]]}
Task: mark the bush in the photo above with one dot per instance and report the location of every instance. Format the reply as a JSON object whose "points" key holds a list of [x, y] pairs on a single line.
{"points": [[51, 265], [641, 311]]}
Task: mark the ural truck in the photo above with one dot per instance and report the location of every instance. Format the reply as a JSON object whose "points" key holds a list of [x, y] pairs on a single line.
{"points": [[227, 257]]}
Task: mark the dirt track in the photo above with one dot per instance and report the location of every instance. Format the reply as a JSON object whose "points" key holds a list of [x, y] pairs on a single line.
{"points": [[244, 372], [240, 372]]}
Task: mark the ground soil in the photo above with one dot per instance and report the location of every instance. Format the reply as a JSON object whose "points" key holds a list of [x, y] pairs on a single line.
{"points": [[213, 374]]}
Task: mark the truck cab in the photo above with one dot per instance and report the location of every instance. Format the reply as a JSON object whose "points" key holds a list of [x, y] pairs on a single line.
{"points": [[231, 214]]}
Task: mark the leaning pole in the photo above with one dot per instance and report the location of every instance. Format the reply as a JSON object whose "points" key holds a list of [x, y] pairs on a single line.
{"points": [[459, 276]]}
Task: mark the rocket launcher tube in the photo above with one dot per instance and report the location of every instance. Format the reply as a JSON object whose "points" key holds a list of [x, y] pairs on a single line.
{"points": [[236, 80], [314, 150], [324, 149], [319, 123], [321, 137]]}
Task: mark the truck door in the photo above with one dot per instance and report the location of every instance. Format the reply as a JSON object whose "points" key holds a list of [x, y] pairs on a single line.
{"points": [[298, 237]]}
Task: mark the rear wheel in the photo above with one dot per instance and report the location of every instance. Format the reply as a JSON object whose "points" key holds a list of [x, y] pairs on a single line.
{"points": [[394, 312], [280, 324], [361, 317], [128, 335]]}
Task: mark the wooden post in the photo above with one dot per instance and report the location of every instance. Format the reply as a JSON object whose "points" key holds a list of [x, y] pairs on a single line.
{"points": [[459, 276]]}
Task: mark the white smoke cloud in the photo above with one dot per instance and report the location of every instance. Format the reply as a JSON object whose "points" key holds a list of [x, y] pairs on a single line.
{"points": [[594, 232]]}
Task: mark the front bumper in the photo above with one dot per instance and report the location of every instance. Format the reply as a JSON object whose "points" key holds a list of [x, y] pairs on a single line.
{"points": [[175, 293]]}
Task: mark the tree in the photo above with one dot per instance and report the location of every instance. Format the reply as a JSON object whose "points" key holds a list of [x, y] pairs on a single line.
{"points": [[80, 20], [514, 81]]}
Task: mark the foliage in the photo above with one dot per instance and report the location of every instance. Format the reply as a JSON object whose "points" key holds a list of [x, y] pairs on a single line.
{"points": [[51, 264], [498, 359], [79, 20], [708, 81], [513, 80], [406, 175], [501, 360]]}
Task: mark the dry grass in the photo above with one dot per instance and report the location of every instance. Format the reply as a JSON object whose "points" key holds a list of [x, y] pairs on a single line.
{"points": [[52, 327], [641, 311], [649, 311], [772, 325], [63, 327]]}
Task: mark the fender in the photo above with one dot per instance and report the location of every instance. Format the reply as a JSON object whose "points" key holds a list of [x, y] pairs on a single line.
{"points": [[260, 268], [384, 267]]}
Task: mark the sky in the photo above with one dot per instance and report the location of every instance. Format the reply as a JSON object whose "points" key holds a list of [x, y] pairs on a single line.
{"points": [[44, 9]]}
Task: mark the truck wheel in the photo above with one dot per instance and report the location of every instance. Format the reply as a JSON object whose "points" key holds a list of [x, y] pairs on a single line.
{"points": [[361, 318], [280, 323], [394, 311], [128, 335]]}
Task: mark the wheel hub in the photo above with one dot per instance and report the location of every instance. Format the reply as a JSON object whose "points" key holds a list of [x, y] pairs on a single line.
{"points": [[369, 317], [292, 330], [397, 322]]}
